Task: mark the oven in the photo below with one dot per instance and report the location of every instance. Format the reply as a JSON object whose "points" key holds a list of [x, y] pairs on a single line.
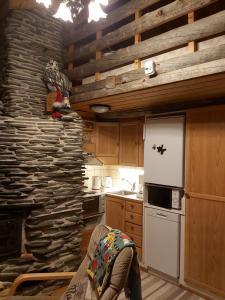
{"points": [[93, 205]]}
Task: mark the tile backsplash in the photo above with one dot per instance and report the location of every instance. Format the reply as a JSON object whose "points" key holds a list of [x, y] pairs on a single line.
{"points": [[117, 173]]}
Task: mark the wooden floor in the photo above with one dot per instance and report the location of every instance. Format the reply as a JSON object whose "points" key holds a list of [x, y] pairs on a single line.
{"points": [[154, 288]]}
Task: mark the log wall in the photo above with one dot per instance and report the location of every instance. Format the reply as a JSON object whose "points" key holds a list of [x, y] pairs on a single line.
{"points": [[168, 32]]}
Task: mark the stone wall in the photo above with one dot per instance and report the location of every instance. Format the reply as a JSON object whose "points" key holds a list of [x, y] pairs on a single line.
{"points": [[41, 160], [30, 40]]}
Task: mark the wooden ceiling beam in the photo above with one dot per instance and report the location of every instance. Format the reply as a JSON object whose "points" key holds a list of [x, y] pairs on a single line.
{"points": [[158, 89], [146, 22], [207, 87], [179, 95]]}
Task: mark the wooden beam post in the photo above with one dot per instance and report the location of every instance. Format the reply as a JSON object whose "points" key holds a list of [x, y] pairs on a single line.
{"points": [[98, 55], [137, 40], [192, 46]]}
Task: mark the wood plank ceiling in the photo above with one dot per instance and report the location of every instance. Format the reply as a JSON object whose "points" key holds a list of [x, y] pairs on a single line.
{"points": [[199, 89]]}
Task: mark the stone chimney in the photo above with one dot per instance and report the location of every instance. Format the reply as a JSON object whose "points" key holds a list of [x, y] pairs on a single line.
{"points": [[41, 160]]}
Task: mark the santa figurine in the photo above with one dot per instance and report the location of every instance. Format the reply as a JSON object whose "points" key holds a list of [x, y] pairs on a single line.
{"points": [[59, 89]]}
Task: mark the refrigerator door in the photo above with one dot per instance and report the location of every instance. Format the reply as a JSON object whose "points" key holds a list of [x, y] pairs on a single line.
{"points": [[164, 151]]}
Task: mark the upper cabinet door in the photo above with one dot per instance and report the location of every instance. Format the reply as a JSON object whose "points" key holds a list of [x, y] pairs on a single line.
{"points": [[107, 139], [164, 151], [129, 142], [141, 146]]}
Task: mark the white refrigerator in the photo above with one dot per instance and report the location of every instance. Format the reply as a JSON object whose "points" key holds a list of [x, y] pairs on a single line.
{"points": [[164, 151]]}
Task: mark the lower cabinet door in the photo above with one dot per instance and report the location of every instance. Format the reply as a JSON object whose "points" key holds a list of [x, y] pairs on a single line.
{"points": [[115, 213]]}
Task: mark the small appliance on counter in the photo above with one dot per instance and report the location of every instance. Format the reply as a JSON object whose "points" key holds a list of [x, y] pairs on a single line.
{"points": [[96, 182], [107, 182]]}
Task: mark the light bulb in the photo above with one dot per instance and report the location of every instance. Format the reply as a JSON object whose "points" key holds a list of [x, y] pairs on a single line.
{"points": [[95, 11], [64, 13], [47, 3]]}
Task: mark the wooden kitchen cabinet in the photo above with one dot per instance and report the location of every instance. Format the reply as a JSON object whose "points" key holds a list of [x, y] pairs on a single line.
{"points": [[89, 137], [141, 145], [205, 199], [107, 142], [115, 212], [131, 144], [126, 215], [115, 143]]}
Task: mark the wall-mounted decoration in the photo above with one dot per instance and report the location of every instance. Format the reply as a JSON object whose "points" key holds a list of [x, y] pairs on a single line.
{"points": [[161, 149], [59, 88]]}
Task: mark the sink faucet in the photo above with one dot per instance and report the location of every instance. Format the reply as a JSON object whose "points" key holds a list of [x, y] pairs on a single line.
{"points": [[133, 185]]}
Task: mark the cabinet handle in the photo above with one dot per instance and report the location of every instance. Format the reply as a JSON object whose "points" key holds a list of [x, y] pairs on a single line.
{"points": [[122, 206], [131, 216], [132, 227], [132, 206], [187, 195]]}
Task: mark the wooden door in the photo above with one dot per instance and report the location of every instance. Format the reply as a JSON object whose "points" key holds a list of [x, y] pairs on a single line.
{"points": [[107, 141], [115, 213], [205, 203], [129, 141]]}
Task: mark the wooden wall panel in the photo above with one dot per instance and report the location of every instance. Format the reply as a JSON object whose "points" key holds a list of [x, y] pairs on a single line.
{"points": [[205, 199], [205, 244], [206, 151]]}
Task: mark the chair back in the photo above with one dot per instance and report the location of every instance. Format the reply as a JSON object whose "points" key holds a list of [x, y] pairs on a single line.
{"points": [[119, 274]]}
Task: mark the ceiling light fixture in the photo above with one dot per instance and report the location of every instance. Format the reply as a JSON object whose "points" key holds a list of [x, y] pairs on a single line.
{"points": [[95, 10], [100, 108], [70, 9], [63, 13]]}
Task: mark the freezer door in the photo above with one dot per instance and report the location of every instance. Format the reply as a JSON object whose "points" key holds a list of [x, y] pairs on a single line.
{"points": [[164, 151]]}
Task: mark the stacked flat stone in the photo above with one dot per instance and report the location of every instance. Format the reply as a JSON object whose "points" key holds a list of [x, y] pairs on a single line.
{"points": [[41, 160], [31, 40]]}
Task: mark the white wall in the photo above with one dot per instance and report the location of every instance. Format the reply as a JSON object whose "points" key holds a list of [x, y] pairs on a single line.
{"points": [[117, 173]]}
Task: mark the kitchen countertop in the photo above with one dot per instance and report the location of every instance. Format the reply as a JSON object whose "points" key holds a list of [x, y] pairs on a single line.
{"points": [[110, 192], [128, 197]]}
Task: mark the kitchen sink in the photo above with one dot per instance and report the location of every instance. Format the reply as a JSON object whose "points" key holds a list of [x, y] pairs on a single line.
{"points": [[123, 193]]}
